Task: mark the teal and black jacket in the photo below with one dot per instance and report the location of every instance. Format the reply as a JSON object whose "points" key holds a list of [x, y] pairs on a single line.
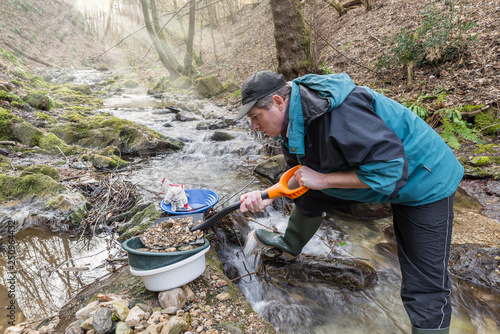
{"points": [[335, 125]]}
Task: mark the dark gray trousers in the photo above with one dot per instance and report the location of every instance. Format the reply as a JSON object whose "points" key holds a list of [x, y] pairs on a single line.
{"points": [[423, 235]]}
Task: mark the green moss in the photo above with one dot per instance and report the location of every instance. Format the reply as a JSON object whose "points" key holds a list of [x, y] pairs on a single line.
{"points": [[12, 187], [75, 97], [16, 129], [45, 117], [54, 145], [42, 169], [487, 149], [39, 100], [141, 221], [100, 161], [480, 161], [488, 122]]}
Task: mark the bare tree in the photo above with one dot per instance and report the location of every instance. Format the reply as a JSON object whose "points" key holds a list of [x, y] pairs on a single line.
{"points": [[188, 58], [292, 38], [172, 69]]}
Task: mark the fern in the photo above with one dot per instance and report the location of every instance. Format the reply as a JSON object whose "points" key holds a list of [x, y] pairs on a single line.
{"points": [[448, 134]]}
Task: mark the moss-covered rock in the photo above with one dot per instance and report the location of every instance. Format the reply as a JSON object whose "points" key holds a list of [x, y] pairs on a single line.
{"points": [[44, 117], [101, 131], [131, 84], [82, 88], [12, 187], [42, 169], [16, 129], [72, 97], [141, 221], [488, 121], [52, 144], [73, 206], [101, 161], [480, 161], [221, 136], [39, 100], [208, 86]]}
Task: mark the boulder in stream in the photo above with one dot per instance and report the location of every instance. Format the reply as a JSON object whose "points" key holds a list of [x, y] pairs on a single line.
{"points": [[350, 273], [208, 86], [477, 264]]}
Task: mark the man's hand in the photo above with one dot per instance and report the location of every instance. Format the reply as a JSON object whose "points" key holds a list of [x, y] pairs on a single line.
{"points": [[309, 178], [253, 202]]}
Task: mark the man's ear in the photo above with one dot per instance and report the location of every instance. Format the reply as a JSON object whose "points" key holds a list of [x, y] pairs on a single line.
{"points": [[278, 100]]}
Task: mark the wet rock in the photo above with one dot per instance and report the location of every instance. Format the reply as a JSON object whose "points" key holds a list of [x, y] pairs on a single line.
{"points": [[185, 116], [176, 325], [370, 210], [353, 274], [221, 136], [13, 330], [98, 132], [39, 100], [166, 111], [231, 87], [131, 84], [87, 311], [101, 162], [476, 263], [103, 321], [122, 328], [42, 169], [120, 308], [272, 168], [87, 324], [82, 88], [135, 316], [174, 297], [212, 125], [74, 328], [143, 216], [208, 86]]}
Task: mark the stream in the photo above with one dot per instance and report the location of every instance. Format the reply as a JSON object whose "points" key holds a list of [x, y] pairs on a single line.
{"points": [[226, 167]]}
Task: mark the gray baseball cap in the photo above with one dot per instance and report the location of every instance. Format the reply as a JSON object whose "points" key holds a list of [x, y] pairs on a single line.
{"points": [[256, 87]]}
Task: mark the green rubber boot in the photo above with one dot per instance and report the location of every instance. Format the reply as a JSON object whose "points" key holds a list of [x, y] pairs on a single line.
{"points": [[299, 231], [430, 331]]}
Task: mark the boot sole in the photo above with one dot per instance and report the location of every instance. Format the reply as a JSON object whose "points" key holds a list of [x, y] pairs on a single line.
{"points": [[287, 255]]}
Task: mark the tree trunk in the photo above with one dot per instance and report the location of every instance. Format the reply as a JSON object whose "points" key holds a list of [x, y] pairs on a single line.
{"points": [[174, 73], [161, 37], [181, 24], [108, 24], [188, 59], [292, 38]]}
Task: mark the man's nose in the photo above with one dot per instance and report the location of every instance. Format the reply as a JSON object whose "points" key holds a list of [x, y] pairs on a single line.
{"points": [[255, 126]]}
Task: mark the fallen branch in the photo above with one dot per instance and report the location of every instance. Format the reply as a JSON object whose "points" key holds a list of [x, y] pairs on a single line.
{"points": [[22, 53]]}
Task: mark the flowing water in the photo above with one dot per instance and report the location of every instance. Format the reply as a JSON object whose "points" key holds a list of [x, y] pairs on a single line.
{"points": [[226, 168]]}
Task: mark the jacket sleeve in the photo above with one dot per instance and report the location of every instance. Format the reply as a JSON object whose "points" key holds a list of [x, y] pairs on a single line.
{"points": [[359, 139]]}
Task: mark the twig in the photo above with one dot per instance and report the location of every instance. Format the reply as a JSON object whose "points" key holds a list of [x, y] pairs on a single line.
{"points": [[72, 259], [249, 274], [343, 55], [331, 249], [67, 160]]}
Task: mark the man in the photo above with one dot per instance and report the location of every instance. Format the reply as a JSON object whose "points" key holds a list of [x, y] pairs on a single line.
{"points": [[357, 145]]}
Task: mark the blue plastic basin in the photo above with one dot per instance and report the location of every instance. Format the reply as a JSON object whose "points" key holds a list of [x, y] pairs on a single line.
{"points": [[199, 199]]}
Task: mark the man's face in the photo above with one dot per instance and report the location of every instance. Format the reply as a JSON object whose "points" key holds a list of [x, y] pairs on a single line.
{"points": [[268, 121]]}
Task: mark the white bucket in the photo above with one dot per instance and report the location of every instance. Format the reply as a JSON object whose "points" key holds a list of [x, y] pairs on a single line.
{"points": [[174, 275]]}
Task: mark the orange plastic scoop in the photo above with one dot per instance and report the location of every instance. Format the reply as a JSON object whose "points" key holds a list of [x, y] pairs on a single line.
{"points": [[277, 190], [281, 188]]}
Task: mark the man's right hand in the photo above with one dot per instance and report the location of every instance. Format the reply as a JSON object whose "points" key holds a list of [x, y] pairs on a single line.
{"points": [[253, 202]]}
